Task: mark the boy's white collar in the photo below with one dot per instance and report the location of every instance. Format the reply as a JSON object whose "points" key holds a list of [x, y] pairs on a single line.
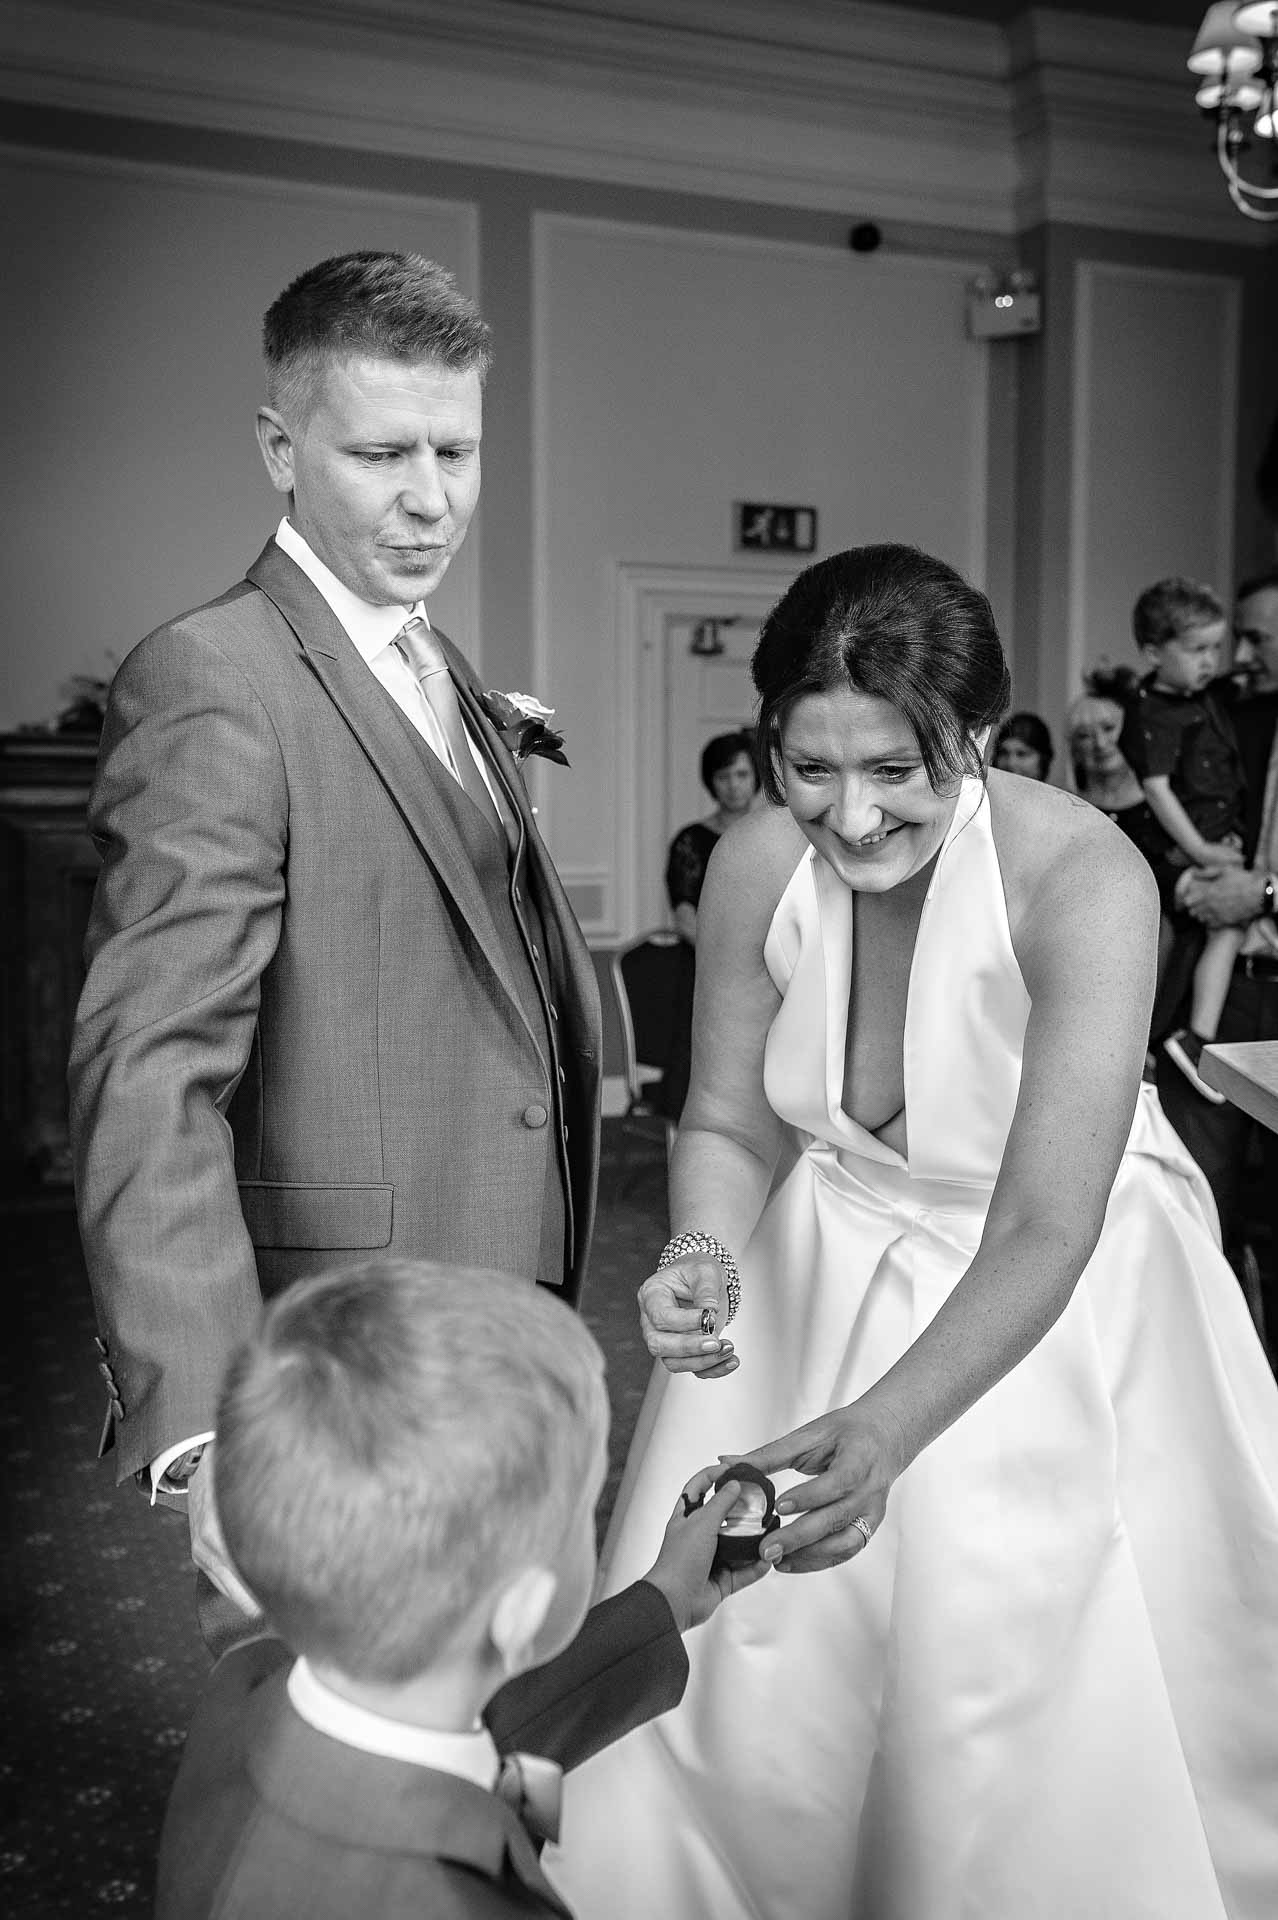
{"points": [[471, 1756]]}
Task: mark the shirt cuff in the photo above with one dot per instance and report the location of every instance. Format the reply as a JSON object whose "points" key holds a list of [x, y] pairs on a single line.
{"points": [[163, 1461]]}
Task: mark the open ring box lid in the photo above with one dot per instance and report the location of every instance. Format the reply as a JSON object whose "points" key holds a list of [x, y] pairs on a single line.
{"points": [[753, 1516]]}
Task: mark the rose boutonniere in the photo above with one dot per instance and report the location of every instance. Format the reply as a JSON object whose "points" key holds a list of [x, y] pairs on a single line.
{"points": [[521, 721]]}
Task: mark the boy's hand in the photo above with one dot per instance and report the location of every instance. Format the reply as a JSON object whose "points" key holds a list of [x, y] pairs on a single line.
{"points": [[1220, 855], [682, 1569]]}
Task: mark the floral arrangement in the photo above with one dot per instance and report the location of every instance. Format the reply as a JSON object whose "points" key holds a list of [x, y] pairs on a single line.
{"points": [[521, 721], [84, 698]]}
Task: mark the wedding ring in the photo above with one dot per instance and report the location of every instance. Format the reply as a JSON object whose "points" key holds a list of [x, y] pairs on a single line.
{"points": [[863, 1527], [707, 1319]]}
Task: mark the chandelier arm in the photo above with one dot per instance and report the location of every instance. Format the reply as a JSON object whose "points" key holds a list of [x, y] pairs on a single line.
{"points": [[1241, 191], [1267, 215]]}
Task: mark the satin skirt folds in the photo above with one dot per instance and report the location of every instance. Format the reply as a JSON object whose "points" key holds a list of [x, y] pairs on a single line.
{"points": [[992, 1713]]}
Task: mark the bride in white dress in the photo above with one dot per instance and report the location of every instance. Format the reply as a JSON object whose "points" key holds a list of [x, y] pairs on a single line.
{"points": [[980, 1275]]}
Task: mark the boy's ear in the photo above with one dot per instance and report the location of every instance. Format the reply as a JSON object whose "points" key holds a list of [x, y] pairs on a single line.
{"points": [[519, 1612]]}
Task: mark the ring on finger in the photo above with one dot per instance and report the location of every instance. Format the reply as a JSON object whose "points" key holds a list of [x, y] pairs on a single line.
{"points": [[863, 1527]]}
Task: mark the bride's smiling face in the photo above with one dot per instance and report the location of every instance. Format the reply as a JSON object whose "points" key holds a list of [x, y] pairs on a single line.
{"points": [[856, 783]]}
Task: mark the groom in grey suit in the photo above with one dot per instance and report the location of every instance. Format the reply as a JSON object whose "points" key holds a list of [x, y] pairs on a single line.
{"points": [[336, 998]]}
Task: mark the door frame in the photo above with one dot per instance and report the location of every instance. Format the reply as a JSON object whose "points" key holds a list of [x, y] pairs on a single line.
{"points": [[646, 598]]}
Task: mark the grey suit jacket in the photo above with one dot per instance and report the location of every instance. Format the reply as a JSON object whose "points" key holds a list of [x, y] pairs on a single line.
{"points": [[300, 1037], [270, 1818]]}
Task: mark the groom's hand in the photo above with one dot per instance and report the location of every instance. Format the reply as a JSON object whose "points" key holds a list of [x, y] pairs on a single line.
{"points": [[671, 1304], [208, 1548]]}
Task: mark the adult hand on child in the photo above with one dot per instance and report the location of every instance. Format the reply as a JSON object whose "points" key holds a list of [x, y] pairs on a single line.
{"points": [[683, 1571], [1226, 899], [208, 1548], [671, 1303]]}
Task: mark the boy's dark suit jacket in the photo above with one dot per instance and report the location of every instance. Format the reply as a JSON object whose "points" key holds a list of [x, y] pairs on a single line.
{"points": [[270, 1820], [304, 1035]]}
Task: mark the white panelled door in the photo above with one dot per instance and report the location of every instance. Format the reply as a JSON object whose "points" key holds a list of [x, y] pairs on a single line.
{"points": [[706, 694], [674, 699]]}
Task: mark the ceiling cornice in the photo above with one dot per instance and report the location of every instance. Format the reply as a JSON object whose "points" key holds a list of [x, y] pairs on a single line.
{"points": [[869, 110], [1103, 112]]}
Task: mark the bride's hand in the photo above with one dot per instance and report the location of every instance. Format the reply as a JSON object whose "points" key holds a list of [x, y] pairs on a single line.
{"points": [[853, 1455], [671, 1303]]}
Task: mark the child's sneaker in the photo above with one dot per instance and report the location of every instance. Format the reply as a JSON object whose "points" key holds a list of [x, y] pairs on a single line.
{"points": [[1185, 1047]]}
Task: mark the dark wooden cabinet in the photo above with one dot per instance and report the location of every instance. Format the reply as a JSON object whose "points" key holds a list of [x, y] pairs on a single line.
{"points": [[47, 871]]}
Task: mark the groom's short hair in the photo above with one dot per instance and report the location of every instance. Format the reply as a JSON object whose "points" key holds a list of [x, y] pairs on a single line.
{"points": [[395, 1440], [375, 306]]}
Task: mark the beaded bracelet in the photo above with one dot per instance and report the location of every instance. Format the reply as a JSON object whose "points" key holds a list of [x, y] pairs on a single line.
{"points": [[686, 1243]]}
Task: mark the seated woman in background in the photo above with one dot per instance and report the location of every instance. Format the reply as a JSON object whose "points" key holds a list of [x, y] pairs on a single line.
{"points": [[730, 776], [1101, 772], [1023, 745]]}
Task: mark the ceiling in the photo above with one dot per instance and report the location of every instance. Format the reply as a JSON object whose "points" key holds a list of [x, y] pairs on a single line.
{"points": [[1157, 13]]}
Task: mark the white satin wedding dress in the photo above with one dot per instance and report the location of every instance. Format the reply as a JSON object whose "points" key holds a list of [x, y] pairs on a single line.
{"points": [[1048, 1688]]}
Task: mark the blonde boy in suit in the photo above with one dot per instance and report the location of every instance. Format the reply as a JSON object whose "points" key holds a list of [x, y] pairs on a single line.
{"points": [[407, 1469]]}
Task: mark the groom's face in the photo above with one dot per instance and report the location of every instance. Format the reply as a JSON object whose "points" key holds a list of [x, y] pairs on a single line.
{"points": [[382, 472]]}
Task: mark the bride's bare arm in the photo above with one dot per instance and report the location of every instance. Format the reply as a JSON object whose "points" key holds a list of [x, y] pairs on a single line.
{"points": [[728, 1135], [1085, 937]]}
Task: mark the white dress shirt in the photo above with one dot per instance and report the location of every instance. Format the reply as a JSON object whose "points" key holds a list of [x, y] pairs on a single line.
{"points": [[471, 1756], [371, 631]]}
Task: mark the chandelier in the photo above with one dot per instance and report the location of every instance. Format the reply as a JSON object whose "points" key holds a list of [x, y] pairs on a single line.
{"points": [[1236, 57]]}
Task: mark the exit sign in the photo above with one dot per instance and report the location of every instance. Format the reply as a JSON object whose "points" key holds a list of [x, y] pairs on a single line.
{"points": [[759, 527]]}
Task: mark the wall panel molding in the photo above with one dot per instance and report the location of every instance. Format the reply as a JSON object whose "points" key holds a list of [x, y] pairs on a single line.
{"points": [[146, 358], [1154, 397], [614, 562]]}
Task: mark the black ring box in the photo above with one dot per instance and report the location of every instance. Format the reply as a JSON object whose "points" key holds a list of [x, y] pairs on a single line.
{"points": [[742, 1549]]}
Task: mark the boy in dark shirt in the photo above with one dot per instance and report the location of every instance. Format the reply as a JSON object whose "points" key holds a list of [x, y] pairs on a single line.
{"points": [[1180, 743]]}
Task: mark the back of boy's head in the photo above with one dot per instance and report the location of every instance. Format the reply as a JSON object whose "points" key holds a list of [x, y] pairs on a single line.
{"points": [[395, 1440], [1171, 608]]}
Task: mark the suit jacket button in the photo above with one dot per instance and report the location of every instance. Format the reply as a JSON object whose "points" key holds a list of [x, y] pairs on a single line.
{"points": [[536, 1115]]}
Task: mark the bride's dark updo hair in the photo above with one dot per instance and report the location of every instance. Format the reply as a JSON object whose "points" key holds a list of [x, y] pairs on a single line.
{"points": [[895, 624]]}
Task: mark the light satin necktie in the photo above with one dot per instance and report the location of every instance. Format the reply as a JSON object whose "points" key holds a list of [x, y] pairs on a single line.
{"points": [[429, 668], [533, 1787]]}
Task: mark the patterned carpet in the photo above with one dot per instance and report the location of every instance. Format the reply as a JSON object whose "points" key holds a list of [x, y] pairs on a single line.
{"points": [[102, 1661]]}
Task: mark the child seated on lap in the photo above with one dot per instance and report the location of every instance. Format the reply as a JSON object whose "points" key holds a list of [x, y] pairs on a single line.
{"points": [[1180, 743], [406, 1473]]}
